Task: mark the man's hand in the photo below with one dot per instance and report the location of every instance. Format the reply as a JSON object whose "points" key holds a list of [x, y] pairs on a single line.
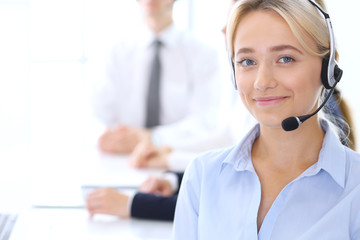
{"points": [[123, 139], [155, 185], [108, 201], [146, 155]]}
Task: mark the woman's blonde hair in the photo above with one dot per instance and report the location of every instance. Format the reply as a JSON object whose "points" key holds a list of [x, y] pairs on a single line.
{"points": [[302, 17]]}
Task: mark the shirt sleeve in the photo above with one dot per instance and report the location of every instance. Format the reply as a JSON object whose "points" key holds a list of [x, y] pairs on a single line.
{"points": [[204, 95], [187, 208], [187, 151], [179, 160], [356, 234], [173, 179], [105, 92]]}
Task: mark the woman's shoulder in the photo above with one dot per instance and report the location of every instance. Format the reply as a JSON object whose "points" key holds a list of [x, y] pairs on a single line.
{"points": [[210, 161], [353, 162], [352, 171]]}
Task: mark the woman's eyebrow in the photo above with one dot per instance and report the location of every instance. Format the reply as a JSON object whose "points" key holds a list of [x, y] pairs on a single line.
{"points": [[272, 49], [244, 50], [284, 47]]}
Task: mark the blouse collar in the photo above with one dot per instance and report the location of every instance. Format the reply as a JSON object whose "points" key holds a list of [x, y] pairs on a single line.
{"points": [[332, 155]]}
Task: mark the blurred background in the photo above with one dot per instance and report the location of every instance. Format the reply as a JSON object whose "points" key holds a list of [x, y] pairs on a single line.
{"points": [[51, 53]]}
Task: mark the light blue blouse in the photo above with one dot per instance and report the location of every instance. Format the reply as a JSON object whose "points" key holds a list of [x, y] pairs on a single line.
{"points": [[221, 192]]}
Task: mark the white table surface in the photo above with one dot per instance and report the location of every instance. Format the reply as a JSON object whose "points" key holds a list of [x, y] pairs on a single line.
{"points": [[60, 224], [51, 177]]}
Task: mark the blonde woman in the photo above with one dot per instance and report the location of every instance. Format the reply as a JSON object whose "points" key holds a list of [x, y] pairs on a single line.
{"points": [[275, 184]]}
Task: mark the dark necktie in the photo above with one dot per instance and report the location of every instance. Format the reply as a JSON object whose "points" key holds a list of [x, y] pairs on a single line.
{"points": [[153, 97]]}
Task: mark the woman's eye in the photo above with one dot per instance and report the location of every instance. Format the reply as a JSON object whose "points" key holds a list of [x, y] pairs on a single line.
{"points": [[247, 62], [286, 59]]}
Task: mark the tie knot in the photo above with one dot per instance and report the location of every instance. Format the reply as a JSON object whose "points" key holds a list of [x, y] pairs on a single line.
{"points": [[157, 43]]}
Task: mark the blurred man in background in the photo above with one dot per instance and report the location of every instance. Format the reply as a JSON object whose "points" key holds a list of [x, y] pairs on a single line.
{"points": [[162, 85]]}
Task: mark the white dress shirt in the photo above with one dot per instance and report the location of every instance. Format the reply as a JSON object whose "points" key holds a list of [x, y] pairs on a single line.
{"points": [[190, 85], [236, 122]]}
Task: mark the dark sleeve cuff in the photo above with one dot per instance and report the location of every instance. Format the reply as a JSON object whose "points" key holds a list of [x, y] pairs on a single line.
{"points": [[150, 206]]}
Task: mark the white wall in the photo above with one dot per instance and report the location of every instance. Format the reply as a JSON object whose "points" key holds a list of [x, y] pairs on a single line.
{"points": [[345, 20], [13, 72]]}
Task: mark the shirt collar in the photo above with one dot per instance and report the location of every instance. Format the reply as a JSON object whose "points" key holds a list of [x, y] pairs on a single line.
{"points": [[240, 155], [168, 36], [331, 156]]}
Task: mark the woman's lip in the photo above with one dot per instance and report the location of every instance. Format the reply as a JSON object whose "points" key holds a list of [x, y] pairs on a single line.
{"points": [[266, 101]]}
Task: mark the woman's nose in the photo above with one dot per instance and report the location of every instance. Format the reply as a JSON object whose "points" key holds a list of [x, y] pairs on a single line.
{"points": [[264, 78]]}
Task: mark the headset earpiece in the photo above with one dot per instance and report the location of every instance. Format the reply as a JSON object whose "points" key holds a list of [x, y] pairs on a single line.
{"points": [[324, 72], [338, 72], [330, 69]]}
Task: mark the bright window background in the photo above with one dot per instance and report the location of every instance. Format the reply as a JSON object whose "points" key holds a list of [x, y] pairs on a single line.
{"points": [[50, 48]]}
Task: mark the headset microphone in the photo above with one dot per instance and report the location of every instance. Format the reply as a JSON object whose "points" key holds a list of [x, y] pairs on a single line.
{"points": [[292, 123]]}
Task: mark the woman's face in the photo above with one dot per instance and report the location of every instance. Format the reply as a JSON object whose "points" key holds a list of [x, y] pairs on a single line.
{"points": [[276, 77]]}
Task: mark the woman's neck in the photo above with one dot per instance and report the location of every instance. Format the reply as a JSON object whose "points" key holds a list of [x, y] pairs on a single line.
{"points": [[296, 150]]}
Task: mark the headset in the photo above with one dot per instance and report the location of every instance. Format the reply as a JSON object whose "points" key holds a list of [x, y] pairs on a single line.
{"points": [[330, 74]]}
